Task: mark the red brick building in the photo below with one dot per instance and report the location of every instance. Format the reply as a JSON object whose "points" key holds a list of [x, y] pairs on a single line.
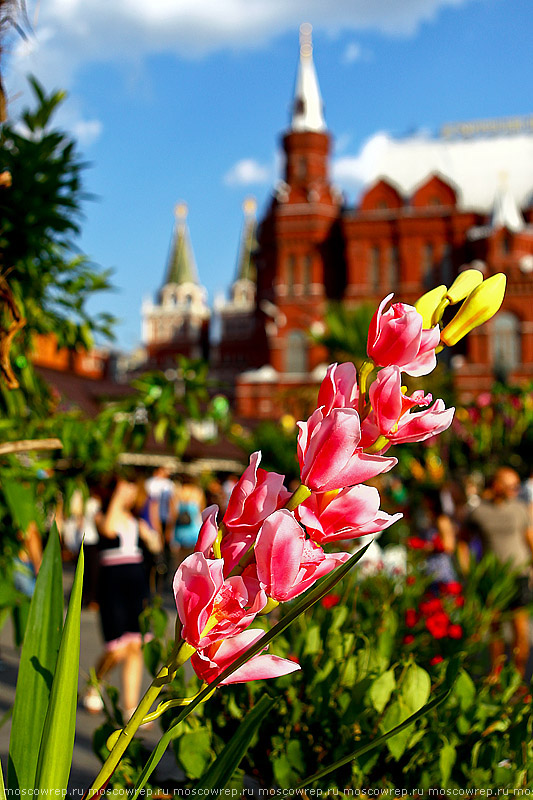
{"points": [[312, 249]]}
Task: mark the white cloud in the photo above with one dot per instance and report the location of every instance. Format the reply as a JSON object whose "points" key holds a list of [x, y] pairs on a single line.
{"points": [[353, 52], [247, 172], [474, 166], [71, 33], [87, 131]]}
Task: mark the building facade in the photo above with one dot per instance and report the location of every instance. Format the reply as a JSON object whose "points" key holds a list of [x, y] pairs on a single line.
{"points": [[312, 250], [424, 216]]}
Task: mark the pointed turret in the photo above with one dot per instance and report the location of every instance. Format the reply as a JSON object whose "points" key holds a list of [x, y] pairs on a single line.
{"points": [[181, 266], [248, 243], [307, 110], [505, 212]]}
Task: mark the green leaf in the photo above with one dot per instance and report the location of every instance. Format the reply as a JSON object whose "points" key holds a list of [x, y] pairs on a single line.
{"points": [[314, 595], [447, 758], [451, 674], [416, 687], [2, 787], [55, 754], [464, 690], [381, 690], [37, 665], [223, 767], [396, 713], [21, 501], [194, 751]]}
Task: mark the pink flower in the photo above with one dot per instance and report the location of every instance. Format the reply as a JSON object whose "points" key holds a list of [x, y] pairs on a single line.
{"points": [[347, 514], [210, 661], [396, 337], [209, 607], [330, 454], [391, 410], [287, 562], [256, 495], [208, 531], [339, 388], [196, 584]]}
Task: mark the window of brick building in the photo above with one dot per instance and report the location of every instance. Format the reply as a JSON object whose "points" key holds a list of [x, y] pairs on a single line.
{"points": [[307, 274], [374, 268], [428, 256], [505, 341], [446, 265], [393, 267], [296, 354], [291, 265]]}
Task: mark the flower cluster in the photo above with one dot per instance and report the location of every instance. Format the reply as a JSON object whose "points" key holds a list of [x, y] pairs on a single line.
{"points": [[269, 546]]}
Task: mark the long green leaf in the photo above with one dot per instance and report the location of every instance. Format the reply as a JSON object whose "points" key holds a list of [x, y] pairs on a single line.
{"points": [[219, 773], [320, 590], [2, 787], [451, 674], [37, 665], [57, 744]]}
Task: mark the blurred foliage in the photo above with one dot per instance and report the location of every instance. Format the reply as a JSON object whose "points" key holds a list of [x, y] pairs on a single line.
{"points": [[370, 656], [346, 332], [40, 214]]}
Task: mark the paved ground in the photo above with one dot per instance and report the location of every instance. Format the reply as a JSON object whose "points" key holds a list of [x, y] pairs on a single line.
{"points": [[85, 763]]}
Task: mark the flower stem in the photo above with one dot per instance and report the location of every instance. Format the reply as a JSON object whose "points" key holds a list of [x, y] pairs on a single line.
{"points": [[181, 653], [367, 367], [298, 496]]}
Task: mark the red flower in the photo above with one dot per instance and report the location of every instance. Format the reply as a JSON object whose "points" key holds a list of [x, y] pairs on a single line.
{"points": [[436, 660], [409, 639], [455, 632], [438, 544], [459, 601], [416, 543], [330, 600], [431, 606], [411, 580], [438, 624], [453, 588], [411, 617]]}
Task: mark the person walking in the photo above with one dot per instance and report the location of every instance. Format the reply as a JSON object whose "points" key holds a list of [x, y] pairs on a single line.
{"points": [[503, 524], [123, 591]]}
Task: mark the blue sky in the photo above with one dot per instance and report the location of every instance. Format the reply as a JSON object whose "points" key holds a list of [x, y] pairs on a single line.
{"points": [[169, 98]]}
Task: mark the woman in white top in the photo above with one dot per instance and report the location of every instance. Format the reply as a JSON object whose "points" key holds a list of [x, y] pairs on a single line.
{"points": [[123, 591]]}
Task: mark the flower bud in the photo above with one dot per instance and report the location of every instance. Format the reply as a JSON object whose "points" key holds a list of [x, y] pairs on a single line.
{"points": [[463, 285], [479, 306], [428, 304]]}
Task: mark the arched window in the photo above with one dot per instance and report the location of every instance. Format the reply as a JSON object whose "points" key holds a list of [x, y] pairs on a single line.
{"points": [[505, 341], [374, 268], [296, 352]]}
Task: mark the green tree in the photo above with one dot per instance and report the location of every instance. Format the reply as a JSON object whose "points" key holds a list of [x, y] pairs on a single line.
{"points": [[40, 214], [346, 332]]}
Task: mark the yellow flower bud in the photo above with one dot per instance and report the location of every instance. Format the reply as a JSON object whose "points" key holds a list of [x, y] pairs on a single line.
{"points": [[479, 306], [463, 285], [428, 304]]}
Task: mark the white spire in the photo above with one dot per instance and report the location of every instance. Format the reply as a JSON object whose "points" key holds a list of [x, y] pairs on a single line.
{"points": [[307, 113], [505, 212]]}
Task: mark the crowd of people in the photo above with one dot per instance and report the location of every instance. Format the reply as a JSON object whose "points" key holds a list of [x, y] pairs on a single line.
{"points": [[137, 530], [460, 524]]}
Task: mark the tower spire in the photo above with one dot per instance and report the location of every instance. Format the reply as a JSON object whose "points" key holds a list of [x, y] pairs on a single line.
{"points": [[181, 267], [307, 110], [245, 264]]}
